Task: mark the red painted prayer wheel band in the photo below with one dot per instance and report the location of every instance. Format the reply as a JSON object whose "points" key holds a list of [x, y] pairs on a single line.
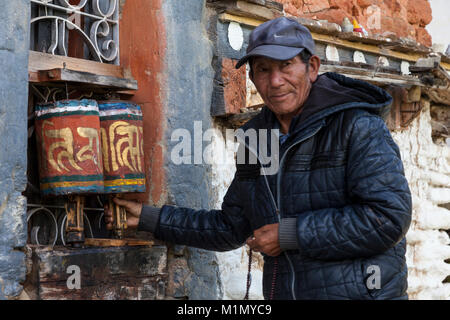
{"points": [[122, 144], [69, 147]]}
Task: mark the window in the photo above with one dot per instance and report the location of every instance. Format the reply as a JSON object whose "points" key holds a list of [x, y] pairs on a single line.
{"points": [[86, 29], [74, 54]]}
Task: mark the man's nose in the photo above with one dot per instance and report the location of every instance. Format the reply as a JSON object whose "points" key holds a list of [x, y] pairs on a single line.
{"points": [[276, 78]]}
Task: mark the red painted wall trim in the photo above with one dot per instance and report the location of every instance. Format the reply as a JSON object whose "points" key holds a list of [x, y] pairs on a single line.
{"points": [[142, 51]]}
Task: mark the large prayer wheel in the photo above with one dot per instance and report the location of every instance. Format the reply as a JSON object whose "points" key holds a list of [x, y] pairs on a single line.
{"points": [[69, 146], [70, 158]]}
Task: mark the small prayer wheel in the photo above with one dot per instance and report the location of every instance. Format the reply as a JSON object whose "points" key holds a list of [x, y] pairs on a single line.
{"points": [[123, 155]]}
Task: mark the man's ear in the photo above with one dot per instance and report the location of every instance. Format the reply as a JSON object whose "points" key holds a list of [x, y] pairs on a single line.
{"points": [[314, 66]]}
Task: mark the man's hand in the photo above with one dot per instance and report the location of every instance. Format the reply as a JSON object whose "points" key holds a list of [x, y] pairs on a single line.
{"points": [[265, 240], [133, 213]]}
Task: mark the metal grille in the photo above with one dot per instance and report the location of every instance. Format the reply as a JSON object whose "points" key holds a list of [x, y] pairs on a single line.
{"points": [[87, 29]]}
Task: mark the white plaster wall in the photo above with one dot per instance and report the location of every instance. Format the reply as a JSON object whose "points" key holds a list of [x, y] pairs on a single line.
{"points": [[233, 265], [439, 26], [427, 168]]}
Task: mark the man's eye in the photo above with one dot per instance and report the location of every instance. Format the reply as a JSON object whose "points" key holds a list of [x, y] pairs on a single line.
{"points": [[286, 63]]}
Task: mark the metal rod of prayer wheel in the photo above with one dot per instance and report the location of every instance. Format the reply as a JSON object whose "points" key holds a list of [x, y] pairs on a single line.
{"points": [[75, 226], [119, 219]]}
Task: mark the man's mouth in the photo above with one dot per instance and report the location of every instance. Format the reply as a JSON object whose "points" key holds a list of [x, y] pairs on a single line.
{"points": [[279, 96]]}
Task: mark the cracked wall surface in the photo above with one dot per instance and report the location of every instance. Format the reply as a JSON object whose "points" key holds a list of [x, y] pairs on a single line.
{"points": [[188, 99], [427, 168], [14, 36]]}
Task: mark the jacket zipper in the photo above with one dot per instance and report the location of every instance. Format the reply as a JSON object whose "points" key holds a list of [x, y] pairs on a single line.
{"points": [[277, 204], [291, 266]]}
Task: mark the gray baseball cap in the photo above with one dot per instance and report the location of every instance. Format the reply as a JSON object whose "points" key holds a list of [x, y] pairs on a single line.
{"points": [[280, 39]]}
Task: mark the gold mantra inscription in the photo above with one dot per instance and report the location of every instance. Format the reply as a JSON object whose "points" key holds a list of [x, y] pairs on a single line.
{"points": [[86, 153], [91, 134], [128, 146], [127, 151]]}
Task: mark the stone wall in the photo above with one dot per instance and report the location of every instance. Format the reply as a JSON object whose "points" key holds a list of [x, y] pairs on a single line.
{"points": [[405, 18], [194, 273], [427, 168], [14, 35]]}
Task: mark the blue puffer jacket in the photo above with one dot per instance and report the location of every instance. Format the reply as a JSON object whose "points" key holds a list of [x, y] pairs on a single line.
{"points": [[341, 179]]}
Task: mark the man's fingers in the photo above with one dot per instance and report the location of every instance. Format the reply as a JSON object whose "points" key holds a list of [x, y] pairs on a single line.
{"points": [[107, 211], [274, 254], [251, 242], [255, 248], [122, 202], [267, 248], [256, 245], [132, 207], [107, 217], [108, 223]]}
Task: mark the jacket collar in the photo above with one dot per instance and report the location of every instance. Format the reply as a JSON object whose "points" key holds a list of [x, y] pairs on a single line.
{"points": [[327, 102]]}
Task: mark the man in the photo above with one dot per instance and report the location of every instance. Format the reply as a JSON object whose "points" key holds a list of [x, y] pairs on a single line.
{"points": [[331, 223]]}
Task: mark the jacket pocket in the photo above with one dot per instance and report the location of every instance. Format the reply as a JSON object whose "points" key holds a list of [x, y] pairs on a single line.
{"points": [[320, 160]]}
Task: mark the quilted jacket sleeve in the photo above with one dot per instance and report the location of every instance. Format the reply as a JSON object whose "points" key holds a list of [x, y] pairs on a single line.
{"points": [[380, 213], [218, 230]]}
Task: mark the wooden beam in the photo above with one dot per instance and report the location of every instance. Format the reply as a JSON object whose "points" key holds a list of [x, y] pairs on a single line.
{"points": [[251, 22], [268, 4], [328, 39], [412, 57], [446, 66], [371, 76], [67, 75], [121, 273], [96, 242], [44, 61]]}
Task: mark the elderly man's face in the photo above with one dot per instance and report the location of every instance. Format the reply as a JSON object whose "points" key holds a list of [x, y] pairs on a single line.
{"points": [[283, 85]]}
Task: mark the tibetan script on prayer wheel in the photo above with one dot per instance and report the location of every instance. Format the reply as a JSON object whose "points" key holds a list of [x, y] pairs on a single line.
{"points": [[69, 146], [122, 147]]}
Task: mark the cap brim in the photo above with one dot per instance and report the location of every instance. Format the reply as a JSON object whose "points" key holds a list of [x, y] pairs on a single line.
{"points": [[271, 51]]}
